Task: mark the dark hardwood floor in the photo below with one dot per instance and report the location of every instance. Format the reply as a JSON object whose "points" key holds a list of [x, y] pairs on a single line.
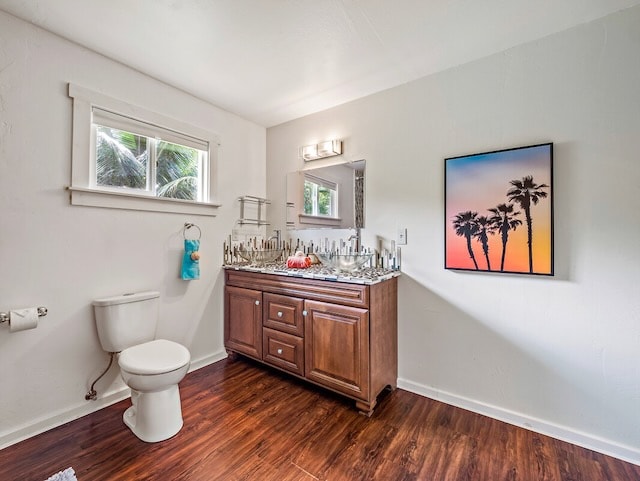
{"points": [[246, 422]]}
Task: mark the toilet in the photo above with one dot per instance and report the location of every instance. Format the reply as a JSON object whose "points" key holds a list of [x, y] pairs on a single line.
{"points": [[151, 367]]}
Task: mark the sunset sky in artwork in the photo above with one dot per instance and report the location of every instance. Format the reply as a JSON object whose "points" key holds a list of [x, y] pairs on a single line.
{"points": [[481, 181]]}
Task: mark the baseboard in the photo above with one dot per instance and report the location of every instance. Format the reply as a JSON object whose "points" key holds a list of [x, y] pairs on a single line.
{"points": [[206, 360], [61, 417], [562, 433], [64, 416]]}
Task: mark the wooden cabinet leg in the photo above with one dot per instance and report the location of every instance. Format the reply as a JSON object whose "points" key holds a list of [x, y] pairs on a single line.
{"points": [[366, 408], [232, 356]]}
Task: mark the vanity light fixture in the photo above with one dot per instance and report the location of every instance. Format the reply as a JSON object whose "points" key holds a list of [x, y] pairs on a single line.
{"points": [[327, 148]]}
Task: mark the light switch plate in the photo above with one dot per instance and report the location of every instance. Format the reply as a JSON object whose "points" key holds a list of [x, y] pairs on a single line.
{"points": [[402, 236]]}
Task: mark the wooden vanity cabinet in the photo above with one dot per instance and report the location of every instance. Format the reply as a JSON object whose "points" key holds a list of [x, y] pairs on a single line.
{"points": [[338, 335]]}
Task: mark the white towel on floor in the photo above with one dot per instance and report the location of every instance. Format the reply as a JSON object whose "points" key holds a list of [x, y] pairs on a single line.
{"points": [[67, 475]]}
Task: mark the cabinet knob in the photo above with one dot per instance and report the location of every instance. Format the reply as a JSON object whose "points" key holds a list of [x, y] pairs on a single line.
{"points": [[304, 313], [279, 351], [279, 314], [257, 303]]}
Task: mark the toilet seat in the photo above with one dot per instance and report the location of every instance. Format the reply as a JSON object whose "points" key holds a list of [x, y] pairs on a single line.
{"points": [[154, 357]]}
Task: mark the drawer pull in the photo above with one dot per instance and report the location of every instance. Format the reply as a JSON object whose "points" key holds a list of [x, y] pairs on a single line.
{"points": [[279, 351], [257, 303], [304, 313], [279, 314]]}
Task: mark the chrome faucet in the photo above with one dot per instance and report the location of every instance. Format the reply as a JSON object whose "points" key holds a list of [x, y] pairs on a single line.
{"points": [[276, 237], [355, 236]]}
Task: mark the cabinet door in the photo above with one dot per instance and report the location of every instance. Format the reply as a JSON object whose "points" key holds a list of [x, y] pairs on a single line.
{"points": [[337, 347], [243, 321]]}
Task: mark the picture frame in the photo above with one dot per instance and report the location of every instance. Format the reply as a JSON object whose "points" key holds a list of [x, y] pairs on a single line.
{"points": [[499, 211]]}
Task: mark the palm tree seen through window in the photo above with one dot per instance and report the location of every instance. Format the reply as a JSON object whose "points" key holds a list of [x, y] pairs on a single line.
{"points": [[160, 168]]}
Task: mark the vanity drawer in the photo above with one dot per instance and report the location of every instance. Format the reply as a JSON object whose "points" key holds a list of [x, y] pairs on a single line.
{"points": [[283, 350], [283, 313]]}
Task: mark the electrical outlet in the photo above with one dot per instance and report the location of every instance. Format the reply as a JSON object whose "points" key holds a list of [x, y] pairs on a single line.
{"points": [[402, 236]]}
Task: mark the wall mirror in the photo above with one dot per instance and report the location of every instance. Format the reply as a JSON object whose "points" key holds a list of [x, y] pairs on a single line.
{"points": [[330, 196]]}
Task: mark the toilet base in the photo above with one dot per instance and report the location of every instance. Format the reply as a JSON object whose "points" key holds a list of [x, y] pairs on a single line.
{"points": [[154, 416]]}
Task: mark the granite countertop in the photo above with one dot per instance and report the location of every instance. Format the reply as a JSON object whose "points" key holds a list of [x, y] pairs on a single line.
{"points": [[367, 275]]}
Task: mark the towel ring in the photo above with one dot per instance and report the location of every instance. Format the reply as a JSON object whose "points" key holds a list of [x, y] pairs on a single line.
{"points": [[187, 226]]}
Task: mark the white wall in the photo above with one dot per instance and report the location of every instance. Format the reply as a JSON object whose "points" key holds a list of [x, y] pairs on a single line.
{"points": [[560, 354], [62, 256]]}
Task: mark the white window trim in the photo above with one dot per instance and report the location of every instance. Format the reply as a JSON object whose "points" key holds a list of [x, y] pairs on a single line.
{"points": [[82, 192], [319, 220]]}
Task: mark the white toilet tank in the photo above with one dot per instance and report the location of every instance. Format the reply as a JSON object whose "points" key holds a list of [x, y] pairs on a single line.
{"points": [[126, 320]]}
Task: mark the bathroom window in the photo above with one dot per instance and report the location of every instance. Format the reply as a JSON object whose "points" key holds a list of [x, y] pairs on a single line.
{"points": [[139, 160], [320, 197], [129, 158]]}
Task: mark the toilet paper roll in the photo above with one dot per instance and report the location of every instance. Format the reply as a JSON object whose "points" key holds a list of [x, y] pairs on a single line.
{"points": [[23, 319]]}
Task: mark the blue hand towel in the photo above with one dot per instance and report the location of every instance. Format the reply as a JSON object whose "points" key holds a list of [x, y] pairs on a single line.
{"points": [[190, 260]]}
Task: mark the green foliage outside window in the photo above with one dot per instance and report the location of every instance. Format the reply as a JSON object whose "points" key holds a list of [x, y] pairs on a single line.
{"points": [[122, 160], [324, 201], [318, 199], [177, 175]]}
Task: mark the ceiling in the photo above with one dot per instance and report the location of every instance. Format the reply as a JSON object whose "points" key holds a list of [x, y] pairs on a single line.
{"points": [[271, 61]]}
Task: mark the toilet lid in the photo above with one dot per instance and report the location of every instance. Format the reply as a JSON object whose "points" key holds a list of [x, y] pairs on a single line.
{"points": [[154, 357]]}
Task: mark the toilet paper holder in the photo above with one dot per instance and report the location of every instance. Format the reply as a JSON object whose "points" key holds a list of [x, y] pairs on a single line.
{"points": [[6, 316]]}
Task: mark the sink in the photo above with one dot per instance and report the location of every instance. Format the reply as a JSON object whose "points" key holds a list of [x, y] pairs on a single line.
{"points": [[344, 262], [260, 256]]}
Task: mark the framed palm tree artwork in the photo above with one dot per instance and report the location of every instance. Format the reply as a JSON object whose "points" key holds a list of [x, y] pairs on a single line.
{"points": [[499, 211]]}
